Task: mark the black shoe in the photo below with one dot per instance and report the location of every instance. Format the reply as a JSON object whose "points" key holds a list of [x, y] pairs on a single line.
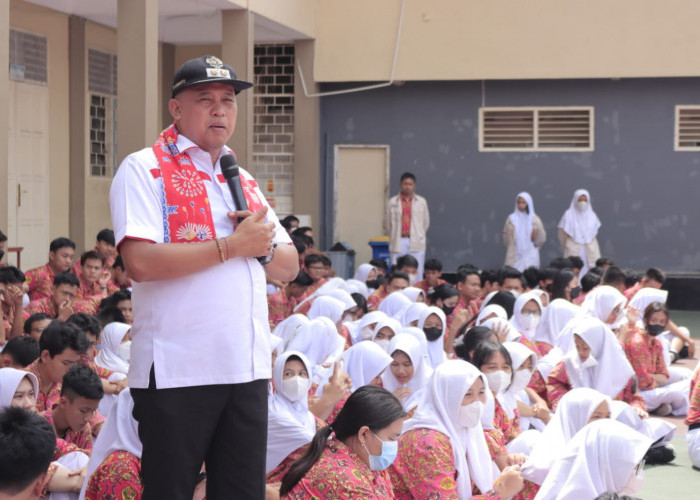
{"points": [[660, 455]]}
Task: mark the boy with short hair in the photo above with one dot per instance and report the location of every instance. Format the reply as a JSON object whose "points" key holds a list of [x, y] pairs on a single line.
{"points": [[19, 353], [431, 276], [35, 324], [60, 347], [40, 279], [315, 267], [93, 277], [60, 304], [281, 303], [511, 280], [11, 305], [393, 282], [409, 265], [81, 392], [469, 287]]}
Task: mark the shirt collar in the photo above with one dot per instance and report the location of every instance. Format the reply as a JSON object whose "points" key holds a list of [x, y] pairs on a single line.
{"points": [[184, 144]]}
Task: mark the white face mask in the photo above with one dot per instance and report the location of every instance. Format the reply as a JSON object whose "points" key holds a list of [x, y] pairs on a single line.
{"points": [[412, 278], [633, 484], [498, 381], [582, 206], [295, 388], [470, 415], [125, 351], [366, 333], [589, 363], [515, 293], [520, 380], [529, 321], [384, 344]]}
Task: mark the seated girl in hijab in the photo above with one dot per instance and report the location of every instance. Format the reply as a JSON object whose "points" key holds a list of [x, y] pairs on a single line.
{"points": [[523, 234], [443, 452], [434, 324], [533, 410], [349, 458], [596, 360], [527, 312], [385, 331], [408, 372], [605, 456], [578, 230]]}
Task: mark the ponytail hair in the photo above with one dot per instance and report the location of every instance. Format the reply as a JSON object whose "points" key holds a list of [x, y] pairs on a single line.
{"points": [[370, 406]]}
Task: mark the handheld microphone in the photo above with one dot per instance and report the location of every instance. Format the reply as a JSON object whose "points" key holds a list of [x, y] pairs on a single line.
{"points": [[233, 179]]}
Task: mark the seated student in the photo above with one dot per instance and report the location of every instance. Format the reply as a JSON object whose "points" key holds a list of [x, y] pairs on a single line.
{"points": [[631, 280], [433, 323], [35, 324], [470, 339], [408, 264], [469, 287], [366, 326], [121, 299], [120, 277], [290, 223], [281, 304], [411, 315], [60, 304], [565, 285], [431, 276], [692, 439], [577, 265], [19, 353], [393, 281], [290, 424], [114, 348], [659, 430], [380, 265], [511, 280], [545, 278], [532, 408], [408, 372], [445, 297], [604, 456], [615, 277], [40, 279], [597, 361], [316, 270], [589, 282], [504, 299], [364, 273], [531, 277], [94, 280], [349, 458], [527, 312], [61, 346], [414, 294], [645, 354], [114, 470], [81, 391], [12, 313], [653, 278], [443, 452], [384, 331], [395, 304], [604, 263], [577, 408], [489, 282], [27, 445]]}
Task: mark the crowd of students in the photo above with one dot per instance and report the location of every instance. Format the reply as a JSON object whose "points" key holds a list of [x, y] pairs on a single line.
{"points": [[505, 384]]}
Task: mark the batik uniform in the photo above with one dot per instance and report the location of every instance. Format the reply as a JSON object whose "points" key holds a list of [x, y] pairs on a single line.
{"points": [[280, 307], [528, 343], [82, 438], [423, 285], [345, 333], [558, 384], [53, 467], [694, 408], [89, 305], [8, 314], [304, 308], [376, 298], [632, 291], [40, 282], [510, 427], [538, 384], [646, 356], [87, 291], [117, 478], [543, 348], [340, 473], [277, 474], [44, 305], [425, 468], [63, 448], [336, 409], [44, 401], [473, 307]]}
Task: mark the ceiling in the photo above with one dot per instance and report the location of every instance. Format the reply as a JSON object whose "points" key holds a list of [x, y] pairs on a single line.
{"points": [[180, 22]]}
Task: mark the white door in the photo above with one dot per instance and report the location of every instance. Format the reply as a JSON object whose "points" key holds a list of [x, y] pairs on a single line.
{"points": [[361, 178], [28, 179]]}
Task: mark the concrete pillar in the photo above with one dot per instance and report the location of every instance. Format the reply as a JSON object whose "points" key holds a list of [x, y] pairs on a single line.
{"points": [[4, 115], [137, 75], [307, 125], [77, 102], [167, 66], [237, 47]]}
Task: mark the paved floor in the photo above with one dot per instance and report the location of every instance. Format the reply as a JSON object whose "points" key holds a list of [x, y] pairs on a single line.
{"points": [[677, 480]]}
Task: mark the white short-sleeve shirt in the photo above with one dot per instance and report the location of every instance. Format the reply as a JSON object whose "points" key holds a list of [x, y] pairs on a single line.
{"points": [[207, 328]]}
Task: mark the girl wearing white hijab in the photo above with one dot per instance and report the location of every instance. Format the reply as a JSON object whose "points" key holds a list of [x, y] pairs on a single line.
{"points": [[527, 312], [365, 327], [596, 361], [442, 450], [320, 342], [290, 424], [365, 272], [414, 294], [355, 286], [607, 304], [110, 354], [287, 328], [660, 431], [523, 234], [385, 331], [19, 389], [532, 408], [604, 456], [577, 408], [554, 319], [119, 437], [328, 307], [412, 314], [434, 324], [578, 230], [395, 304], [408, 372], [491, 311]]}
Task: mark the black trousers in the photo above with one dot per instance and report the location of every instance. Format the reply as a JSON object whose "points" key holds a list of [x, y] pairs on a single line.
{"points": [[224, 426]]}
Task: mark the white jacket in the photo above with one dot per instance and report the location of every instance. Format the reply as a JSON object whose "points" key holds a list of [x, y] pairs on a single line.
{"points": [[420, 222]]}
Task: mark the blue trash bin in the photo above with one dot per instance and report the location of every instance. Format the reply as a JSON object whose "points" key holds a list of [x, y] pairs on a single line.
{"points": [[380, 249]]}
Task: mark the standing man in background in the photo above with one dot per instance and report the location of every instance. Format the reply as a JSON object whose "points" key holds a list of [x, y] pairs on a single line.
{"points": [[406, 222]]}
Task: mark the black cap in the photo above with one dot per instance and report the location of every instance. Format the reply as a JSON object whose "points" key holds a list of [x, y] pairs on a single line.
{"points": [[206, 69]]}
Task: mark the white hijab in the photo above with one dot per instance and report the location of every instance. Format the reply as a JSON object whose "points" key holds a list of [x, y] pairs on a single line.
{"points": [[393, 324], [436, 348], [519, 353], [362, 272], [413, 312], [554, 318], [602, 301], [612, 372], [319, 341], [413, 293], [287, 328], [290, 424], [355, 286], [646, 296], [120, 432], [517, 318], [327, 307], [581, 226], [364, 362], [512, 334], [488, 310], [526, 253], [372, 317], [654, 428], [573, 413], [110, 340], [409, 345], [10, 378], [395, 304], [439, 410], [325, 289], [600, 458]]}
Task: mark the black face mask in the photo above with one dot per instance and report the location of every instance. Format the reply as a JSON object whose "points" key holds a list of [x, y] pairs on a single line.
{"points": [[448, 310], [373, 284], [655, 330], [432, 334], [549, 287], [575, 292]]}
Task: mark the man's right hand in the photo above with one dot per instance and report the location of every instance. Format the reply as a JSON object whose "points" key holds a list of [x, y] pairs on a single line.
{"points": [[65, 311], [253, 236]]}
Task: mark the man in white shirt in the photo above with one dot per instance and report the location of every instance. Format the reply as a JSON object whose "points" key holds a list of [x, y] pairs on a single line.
{"points": [[200, 353]]}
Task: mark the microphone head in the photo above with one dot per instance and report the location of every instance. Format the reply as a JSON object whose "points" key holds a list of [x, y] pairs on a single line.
{"points": [[228, 166]]}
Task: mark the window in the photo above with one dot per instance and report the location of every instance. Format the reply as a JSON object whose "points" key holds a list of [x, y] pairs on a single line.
{"points": [[28, 57], [536, 129], [687, 133], [102, 83]]}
